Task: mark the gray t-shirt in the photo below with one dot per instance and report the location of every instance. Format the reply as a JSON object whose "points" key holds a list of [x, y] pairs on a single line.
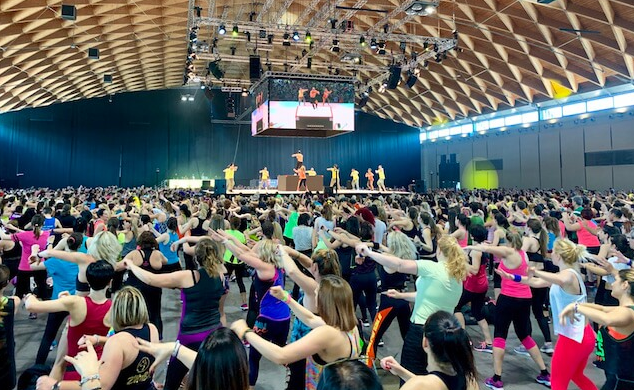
{"points": [[302, 237]]}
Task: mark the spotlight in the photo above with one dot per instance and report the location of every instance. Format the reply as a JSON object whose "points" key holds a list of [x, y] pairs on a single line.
{"points": [[202, 86], [363, 101], [373, 43], [248, 36], [295, 36], [425, 45], [411, 80], [435, 47], [438, 58], [455, 34], [285, 41], [262, 34], [335, 46], [309, 63], [183, 98], [190, 98], [362, 41], [444, 55], [308, 38], [269, 39], [222, 30], [233, 50], [403, 46], [381, 48], [245, 93], [430, 10], [198, 11], [386, 28], [285, 67], [251, 16], [235, 31], [333, 24]]}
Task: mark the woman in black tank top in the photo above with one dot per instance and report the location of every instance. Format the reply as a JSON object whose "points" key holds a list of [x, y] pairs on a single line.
{"points": [[451, 365], [150, 259]]}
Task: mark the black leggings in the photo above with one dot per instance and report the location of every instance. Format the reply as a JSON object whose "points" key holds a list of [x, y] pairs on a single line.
{"points": [[240, 271], [273, 331], [53, 322], [477, 303], [364, 284], [23, 286], [389, 309], [512, 310], [413, 356], [537, 303]]}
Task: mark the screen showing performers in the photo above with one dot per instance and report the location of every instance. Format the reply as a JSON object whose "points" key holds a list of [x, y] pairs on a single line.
{"points": [[311, 104], [260, 114]]}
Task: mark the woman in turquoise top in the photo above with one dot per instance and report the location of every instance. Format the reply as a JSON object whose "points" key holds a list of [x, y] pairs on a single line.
{"points": [[438, 287], [165, 241]]}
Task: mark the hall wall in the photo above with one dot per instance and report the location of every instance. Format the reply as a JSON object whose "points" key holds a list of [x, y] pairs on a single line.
{"points": [[546, 155], [87, 141]]}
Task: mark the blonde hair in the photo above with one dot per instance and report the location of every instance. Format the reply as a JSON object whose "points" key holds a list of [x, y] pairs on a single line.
{"points": [[514, 238], [569, 252], [334, 303], [277, 231], [401, 246], [105, 246], [128, 309], [209, 255], [456, 262], [267, 252]]}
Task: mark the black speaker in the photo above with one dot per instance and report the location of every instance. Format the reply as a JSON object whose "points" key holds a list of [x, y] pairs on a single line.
{"points": [[93, 53], [214, 69], [220, 188], [255, 70], [411, 80], [420, 187], [443, 159], [69, 12], [395, 77], [452, 158], [107, 78], [206, 185]]}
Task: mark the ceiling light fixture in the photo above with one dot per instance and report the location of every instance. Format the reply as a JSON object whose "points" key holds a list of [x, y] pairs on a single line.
{"points": [[295, 36], [235, 31], [222, 30], [308, 38], [362, 41]]}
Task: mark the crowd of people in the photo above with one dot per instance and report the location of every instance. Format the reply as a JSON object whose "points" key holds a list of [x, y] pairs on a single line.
{"points": [[328, 278]]}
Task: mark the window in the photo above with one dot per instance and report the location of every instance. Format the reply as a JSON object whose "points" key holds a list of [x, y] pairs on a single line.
{"points": [[530, 117], [456, 130], [443, 133], [624, 100], [432, 134], [482, 126], [467, 129], [423, 136], [600, 104], [551, 113], [513, 120], [495, 123], [574, 109]]}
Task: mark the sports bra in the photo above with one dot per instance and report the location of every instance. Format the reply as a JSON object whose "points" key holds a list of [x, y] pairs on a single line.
{"points": [[452, 382]]}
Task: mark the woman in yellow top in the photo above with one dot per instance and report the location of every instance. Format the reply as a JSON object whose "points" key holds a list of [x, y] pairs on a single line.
{"points": [[265, 181], [355, 179], [381, 182], [230, 172], [334, 170]]}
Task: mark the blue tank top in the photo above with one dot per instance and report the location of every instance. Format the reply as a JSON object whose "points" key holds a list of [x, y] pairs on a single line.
{"points": [[49, 224], [172, 257], [271, 307]]}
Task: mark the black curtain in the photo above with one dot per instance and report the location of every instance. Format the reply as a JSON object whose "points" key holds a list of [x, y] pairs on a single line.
{"points": [[95, 142]]}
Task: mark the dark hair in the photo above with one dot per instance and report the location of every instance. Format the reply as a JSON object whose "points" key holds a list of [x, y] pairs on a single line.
{"points": [[80, 225], [353, 226], [464, 220], [37, 222], [99, 274], [65, 210], [449, 343], [112, 225], [235, 222], [74, 241], [303, 219], [617, 212], [622, 244], [47, 210], [521, 205], [221, 363], [147, 241], [611, 231], [536, 227], [145, 219], [586, 213], [5, 275], [366, 233], [348, 375], [172, 223], [479, 233], [374, 210], [268, 229], [502, 221]]}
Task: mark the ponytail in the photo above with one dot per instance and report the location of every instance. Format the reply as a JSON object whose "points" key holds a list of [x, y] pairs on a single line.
{"points": [[456, 259], [37, 222]]}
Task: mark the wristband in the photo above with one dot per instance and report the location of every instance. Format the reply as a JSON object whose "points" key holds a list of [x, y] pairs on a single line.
{"points": [[629, 263], [517, 278], [96, 336], [244, 335], [86, 379], [177, 347], [55, 386], [287, 297]]}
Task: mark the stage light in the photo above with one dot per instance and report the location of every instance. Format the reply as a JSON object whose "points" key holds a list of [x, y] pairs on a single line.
{"points": [[183, 98], [285, 41], [381, 48], [202, 86], [362, 41], [251, 16], [425, 64], [386, 28], [233, 50], [308, 38], [333, 24], [373, 43], [248, 36], [269, 39], [335, 46], [198, 11], [245, 93], [235, 31], [403, 47], [262, 34], [222, 30], [190, 98], [363, 101], [309, 63], [295, 36], [444, 55]]}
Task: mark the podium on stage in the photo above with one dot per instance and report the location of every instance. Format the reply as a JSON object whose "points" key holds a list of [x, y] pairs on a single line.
{"points": [[289, 182]]}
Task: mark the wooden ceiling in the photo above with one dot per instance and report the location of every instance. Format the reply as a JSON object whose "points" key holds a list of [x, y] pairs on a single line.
{"points": [[511, 50]]}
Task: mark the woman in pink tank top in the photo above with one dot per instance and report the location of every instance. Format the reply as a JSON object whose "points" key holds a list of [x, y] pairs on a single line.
{"points": [[461, 234], [513, 306], [586, 229]]}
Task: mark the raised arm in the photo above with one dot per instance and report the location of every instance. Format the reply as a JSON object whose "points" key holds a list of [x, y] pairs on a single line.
{"points": [[389, 261], [178, 279], [305, 282]]}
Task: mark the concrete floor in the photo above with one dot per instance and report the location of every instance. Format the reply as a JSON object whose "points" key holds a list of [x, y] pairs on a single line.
{"points": [[519, 371]]}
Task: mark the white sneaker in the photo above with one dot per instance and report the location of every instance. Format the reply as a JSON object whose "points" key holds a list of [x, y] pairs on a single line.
{"points": [[547, 348], [520, 350]]}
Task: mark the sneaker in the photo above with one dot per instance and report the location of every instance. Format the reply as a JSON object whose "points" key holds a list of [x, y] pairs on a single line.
{"points": [[32, 316], [547, 348], [244, 307], [543, 380], [381, 343], [520, 350], [484, 347], [493, 384]]}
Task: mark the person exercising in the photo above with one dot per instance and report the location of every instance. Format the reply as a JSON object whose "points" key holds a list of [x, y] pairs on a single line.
{"points": [[313, 97], [334, 180], [300, 159], [265, 180], [381, 182], [230, 172], [326, 96], [301, 172], [300, 96], [354, 174], [370, 176]]}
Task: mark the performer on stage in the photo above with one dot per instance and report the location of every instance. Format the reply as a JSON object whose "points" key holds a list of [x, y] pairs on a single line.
{"points": [[355, 179], [230, 172], [265, 181], [326, 96], [300, 159], [370, 176], [302, 177], [311, 172], [313, 97], [300, 96], [381, 182], [334, 180]]}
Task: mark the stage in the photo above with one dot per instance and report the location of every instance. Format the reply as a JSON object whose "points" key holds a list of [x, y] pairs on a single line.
{"points": [[346, 192]]}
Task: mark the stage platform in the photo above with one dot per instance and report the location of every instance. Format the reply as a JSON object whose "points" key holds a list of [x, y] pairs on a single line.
{"points": [[272, 191]]}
